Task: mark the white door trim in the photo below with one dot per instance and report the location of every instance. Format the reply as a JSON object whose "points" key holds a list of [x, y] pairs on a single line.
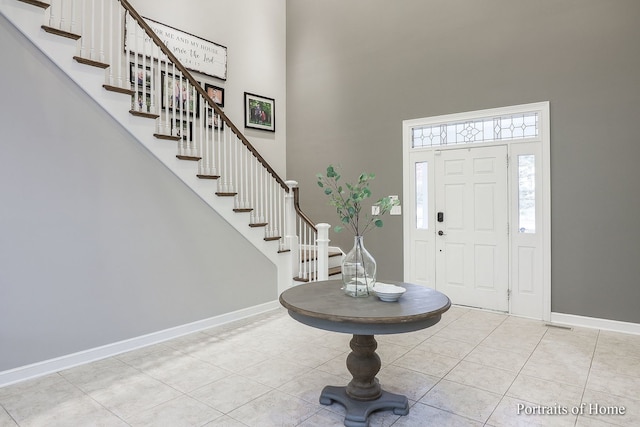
{"points": [[539, 144]]}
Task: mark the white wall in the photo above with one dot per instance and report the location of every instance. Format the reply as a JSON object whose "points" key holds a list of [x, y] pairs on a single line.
{"points": [[254, 32]]}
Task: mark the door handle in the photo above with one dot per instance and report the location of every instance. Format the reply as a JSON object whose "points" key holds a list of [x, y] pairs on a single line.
{"points": [[440, 233]]}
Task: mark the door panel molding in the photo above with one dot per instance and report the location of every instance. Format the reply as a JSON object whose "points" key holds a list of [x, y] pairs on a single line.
{"points": [[475, 203]]}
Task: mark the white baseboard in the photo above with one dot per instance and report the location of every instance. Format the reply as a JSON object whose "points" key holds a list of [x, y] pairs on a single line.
{"points": [[593, 322], [80, 358]]}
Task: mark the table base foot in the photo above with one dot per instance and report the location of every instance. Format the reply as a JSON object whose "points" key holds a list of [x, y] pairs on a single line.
{"points": [[358, 411]]}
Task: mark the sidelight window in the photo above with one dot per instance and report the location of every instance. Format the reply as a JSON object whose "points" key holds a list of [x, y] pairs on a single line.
{"points": [[422, 195], [526, 193]]}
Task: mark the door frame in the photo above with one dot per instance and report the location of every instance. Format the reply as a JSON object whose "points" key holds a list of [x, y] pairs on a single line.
{"points": [[534, 305]]}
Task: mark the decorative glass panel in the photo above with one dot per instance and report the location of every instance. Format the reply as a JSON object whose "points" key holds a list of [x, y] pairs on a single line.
{"points": [[422, 196], [515, 126], [527, 193]]}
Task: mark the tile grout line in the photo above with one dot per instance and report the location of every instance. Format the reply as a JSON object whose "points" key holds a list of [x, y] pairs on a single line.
{"points": [[517, 374], [458, 363], [584, 388], [92, 399]]}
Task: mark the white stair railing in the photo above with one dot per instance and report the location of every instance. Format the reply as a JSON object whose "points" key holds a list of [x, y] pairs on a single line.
{"points": [[309, 242], [163, 89]]}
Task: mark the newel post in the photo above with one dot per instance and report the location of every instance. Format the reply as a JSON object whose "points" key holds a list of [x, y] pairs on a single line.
{"points": [[290, 236], [323, 250]]}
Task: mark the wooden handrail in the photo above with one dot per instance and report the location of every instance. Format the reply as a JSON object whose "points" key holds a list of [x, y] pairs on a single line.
{"points": [[296, 204], [134, 14]]}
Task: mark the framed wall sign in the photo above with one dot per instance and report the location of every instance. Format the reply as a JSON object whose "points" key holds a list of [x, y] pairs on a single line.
{"points": [[259, 112], [193, 52]]}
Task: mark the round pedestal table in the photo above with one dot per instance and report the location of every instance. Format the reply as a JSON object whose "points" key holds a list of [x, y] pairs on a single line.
{"points": [[325, 306]]}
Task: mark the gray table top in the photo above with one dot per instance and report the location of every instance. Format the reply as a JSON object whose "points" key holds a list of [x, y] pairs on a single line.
{"points": [[324, 305]]}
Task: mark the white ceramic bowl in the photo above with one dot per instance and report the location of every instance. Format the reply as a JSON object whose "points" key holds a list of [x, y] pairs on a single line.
{"points": [[387, 292]]}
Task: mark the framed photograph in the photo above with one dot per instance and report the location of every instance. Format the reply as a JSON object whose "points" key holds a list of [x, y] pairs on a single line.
{"points": [[215, 93], [174, 95], [214, 121], [259, 112], [139, 76], [183, 128], [138, 104]]}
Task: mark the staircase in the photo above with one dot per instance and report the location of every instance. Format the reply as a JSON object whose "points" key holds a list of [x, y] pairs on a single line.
{"points": [[309, 264], [212, 156]]}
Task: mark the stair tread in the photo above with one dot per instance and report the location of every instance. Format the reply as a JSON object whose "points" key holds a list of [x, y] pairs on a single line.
{"points": [[143, 114], [167, 137], [335, 270], [62, 33], [91, 62], [37, 3], [311, 255], [332, 272], [192, 158], [118, 89]]}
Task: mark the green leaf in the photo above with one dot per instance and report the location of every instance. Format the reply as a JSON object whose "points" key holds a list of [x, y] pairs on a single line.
{"points": [[338, 228], [347, 199]]}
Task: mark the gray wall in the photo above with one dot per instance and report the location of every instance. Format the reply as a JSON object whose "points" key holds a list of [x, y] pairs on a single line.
{"points": [[99, 242], [357, 69]]}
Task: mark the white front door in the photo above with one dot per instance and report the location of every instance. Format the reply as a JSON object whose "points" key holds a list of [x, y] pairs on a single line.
{"points": [[471, 224]]}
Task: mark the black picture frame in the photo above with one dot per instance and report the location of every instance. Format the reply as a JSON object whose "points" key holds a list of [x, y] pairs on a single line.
{"points": [[215, 121], [216, 93], [259, 112], [133, 74], [185, 131], [137, 98], [176, 89]]}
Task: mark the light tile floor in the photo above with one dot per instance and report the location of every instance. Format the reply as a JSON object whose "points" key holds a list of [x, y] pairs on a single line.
{"points": [[474, 368]]}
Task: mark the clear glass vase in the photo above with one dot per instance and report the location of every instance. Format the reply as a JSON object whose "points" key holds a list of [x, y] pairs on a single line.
{"points": [[358, 270]]}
